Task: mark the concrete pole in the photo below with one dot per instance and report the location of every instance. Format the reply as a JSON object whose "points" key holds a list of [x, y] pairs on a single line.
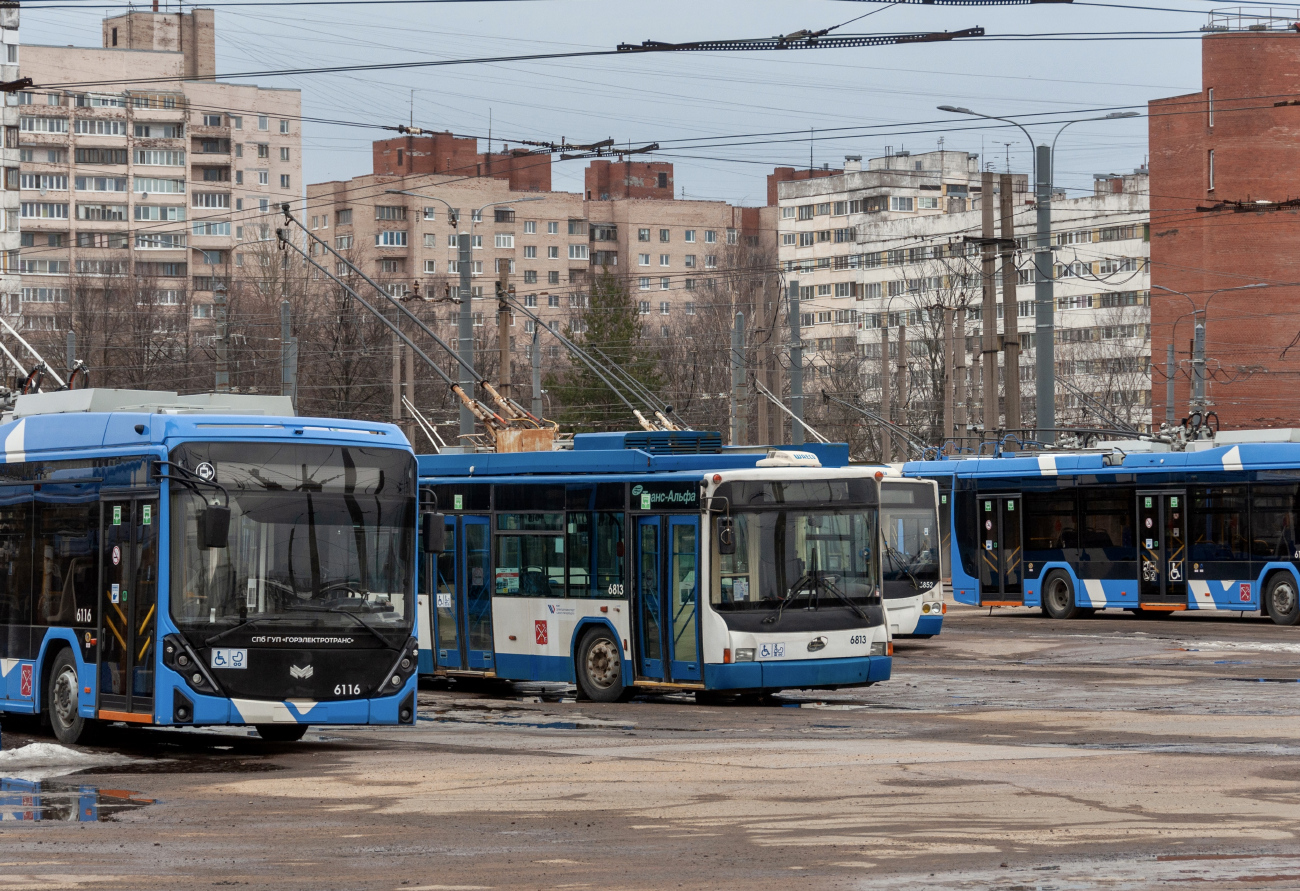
{"points": [[397, 382], [949, 378], [1198, 368], [1169, 384], [900, 387], [72, 352], [222, 344], [537, 371], [886, 391], [739, 421], [989, 342], [503, 329], [1010, 309], [409, 355], [960, 416], [796, 366], [466, 332], [1045, 300]]}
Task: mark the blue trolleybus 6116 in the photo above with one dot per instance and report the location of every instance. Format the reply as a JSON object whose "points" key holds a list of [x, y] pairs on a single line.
{"points": [[204, 560], [655, 561], [1131, 526]]}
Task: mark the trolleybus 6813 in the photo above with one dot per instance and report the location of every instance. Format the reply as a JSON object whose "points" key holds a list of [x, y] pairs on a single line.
{"points": [[656, 561], [204, 560], [1132, 526]]}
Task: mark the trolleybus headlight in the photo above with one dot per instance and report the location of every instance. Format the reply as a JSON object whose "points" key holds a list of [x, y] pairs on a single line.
{"points": [[925, 609], [878, 648], [745, 654]]}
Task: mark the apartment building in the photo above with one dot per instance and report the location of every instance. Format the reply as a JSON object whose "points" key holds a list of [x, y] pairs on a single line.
{"points": [[10, 237], [671, 254], [160, 189], [873, 251]]}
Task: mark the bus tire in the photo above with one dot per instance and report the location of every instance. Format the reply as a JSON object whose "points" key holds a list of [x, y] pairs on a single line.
{"points": [[1282, 599], [1058, 597], [599, 667], [61, 700], [281, 733]]}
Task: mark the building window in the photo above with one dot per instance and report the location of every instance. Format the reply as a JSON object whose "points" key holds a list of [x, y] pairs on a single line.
{"points": [[284, 126], [344, 243], [643, 259], [530, 276], [789, 239], [554, 300], [664, 307], [643, 307], [1210, 106], [643, 235], [263, 204], [805, 211], [553, 252], [530, 251], [787, 213], [690, 261], [505, 240], [552, 228], [553, 277], [690, 236], [284, 180], [390, 265], [710, 261], [665, 284], [530, 227], [924, 203], [663, 180], [391, 238], [644, 285], [430, 267], [843, 289], [344, 218], [664, 260], [1210, 186], [710, 236], [900, 202], [578, 252], [263, 122], [690, 286], [284, 154], [263, 150], [263, 177]]}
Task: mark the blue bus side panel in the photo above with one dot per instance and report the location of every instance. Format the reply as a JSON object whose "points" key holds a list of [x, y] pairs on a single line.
{"points": [[534, 667], [1223, 594], [797, 673], [18, 675]]}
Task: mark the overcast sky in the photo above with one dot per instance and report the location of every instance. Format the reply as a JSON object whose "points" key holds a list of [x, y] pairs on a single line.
{"points": [[710, 97]]}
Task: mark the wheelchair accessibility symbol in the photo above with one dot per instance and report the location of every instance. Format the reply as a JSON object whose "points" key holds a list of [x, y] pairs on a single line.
{"points": [[1175, 570]]}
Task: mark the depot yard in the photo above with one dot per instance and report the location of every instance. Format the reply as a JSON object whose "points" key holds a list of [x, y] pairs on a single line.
{"points": [[1112, 752]]}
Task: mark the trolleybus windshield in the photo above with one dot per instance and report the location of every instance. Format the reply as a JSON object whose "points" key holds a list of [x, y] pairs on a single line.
{"points": [[319, 536], [908, 521]]}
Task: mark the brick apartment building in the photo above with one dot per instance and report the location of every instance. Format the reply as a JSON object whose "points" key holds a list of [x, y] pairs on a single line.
{"points": [[162, 188], [10, 208], [669, 252], [1223, 215]]}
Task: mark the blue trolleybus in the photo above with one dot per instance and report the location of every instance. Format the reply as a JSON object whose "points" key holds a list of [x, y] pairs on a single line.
{"points": [[911, 557], [656, 561], [204, 560], [1132, 526]]}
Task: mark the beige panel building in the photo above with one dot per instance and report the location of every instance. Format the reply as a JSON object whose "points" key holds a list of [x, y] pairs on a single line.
{"points": [[160, 188], [9, 197]]}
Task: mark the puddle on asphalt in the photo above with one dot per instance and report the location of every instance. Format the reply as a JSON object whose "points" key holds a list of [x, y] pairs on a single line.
{"points": [[63, 802], [488, 716]]}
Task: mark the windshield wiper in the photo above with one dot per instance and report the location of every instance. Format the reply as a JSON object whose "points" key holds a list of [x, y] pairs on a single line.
{"points": [[812, 582], [903, 563], [334, 609], [246, 622]]}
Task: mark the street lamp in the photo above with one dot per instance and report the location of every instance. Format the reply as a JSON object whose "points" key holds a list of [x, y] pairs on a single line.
{"points": [[1197, 402], [464, 263], [1044, 291]]}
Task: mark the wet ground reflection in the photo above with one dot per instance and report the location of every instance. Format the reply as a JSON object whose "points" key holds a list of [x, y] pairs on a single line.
{"points": [[64, 802]]}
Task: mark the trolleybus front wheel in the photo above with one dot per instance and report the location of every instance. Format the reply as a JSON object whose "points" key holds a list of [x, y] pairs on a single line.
{"points": [[1282, 599], [65, 716], [600, 667], [281, 732], [1058, 598]]}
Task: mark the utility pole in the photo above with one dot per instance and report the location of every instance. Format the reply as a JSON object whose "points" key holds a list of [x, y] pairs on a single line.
{"points": [[989, 342], [1010, 308], [950, 378], [960, 416], [1044, 298], [72, 353], [886, 391], [222, 344], [537, 371], [503, 327], [739, 433], [1198, 368], [1169, 384], [410, 392], [466, 331], [900, 386], [288, 357], [397, 377], [796, 366]]}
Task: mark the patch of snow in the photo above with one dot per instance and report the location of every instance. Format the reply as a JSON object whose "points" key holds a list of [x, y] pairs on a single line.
{"points": [[37, 761]]}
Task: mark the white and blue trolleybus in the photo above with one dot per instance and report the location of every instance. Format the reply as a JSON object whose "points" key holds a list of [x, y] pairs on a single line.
{"points": [[656, 560], [204, 560]]}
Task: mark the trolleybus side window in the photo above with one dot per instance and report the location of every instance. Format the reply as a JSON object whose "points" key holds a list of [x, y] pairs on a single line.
{"points": [[15, 577], [1273, 521], [1217, 526], [1051, 526], [967, 523], [530, 558], [1107, 546], [67, 560]]}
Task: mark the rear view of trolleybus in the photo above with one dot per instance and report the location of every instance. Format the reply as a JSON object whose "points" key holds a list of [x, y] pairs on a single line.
{"points": [[653, 561], [204, 560]]}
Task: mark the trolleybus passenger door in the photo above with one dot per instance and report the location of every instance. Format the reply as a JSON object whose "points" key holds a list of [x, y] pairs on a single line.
{"points": [[440, 583], [681, 604], [476, 592], [1162, 543], [1001, 569], [648, 573], [129, 569]]}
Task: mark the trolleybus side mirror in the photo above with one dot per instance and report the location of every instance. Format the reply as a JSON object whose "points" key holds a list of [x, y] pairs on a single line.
{"points": [[726, 536], [433, 533], [214, 526]]}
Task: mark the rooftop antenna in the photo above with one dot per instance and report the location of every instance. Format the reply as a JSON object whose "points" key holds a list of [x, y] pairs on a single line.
{"points": [[810, 149], [1008, 145], [413, 108]]}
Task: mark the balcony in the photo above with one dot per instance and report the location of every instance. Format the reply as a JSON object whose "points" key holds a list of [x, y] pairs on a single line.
{"points": [[209, 146]]}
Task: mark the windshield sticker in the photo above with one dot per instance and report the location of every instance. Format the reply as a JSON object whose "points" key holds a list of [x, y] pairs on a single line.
{"points": [[117, 515], [457, 502], [117, 556], [645, 501], [115, 593], [740, 589], [772, 650], [444, 600], [206, 472]]}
